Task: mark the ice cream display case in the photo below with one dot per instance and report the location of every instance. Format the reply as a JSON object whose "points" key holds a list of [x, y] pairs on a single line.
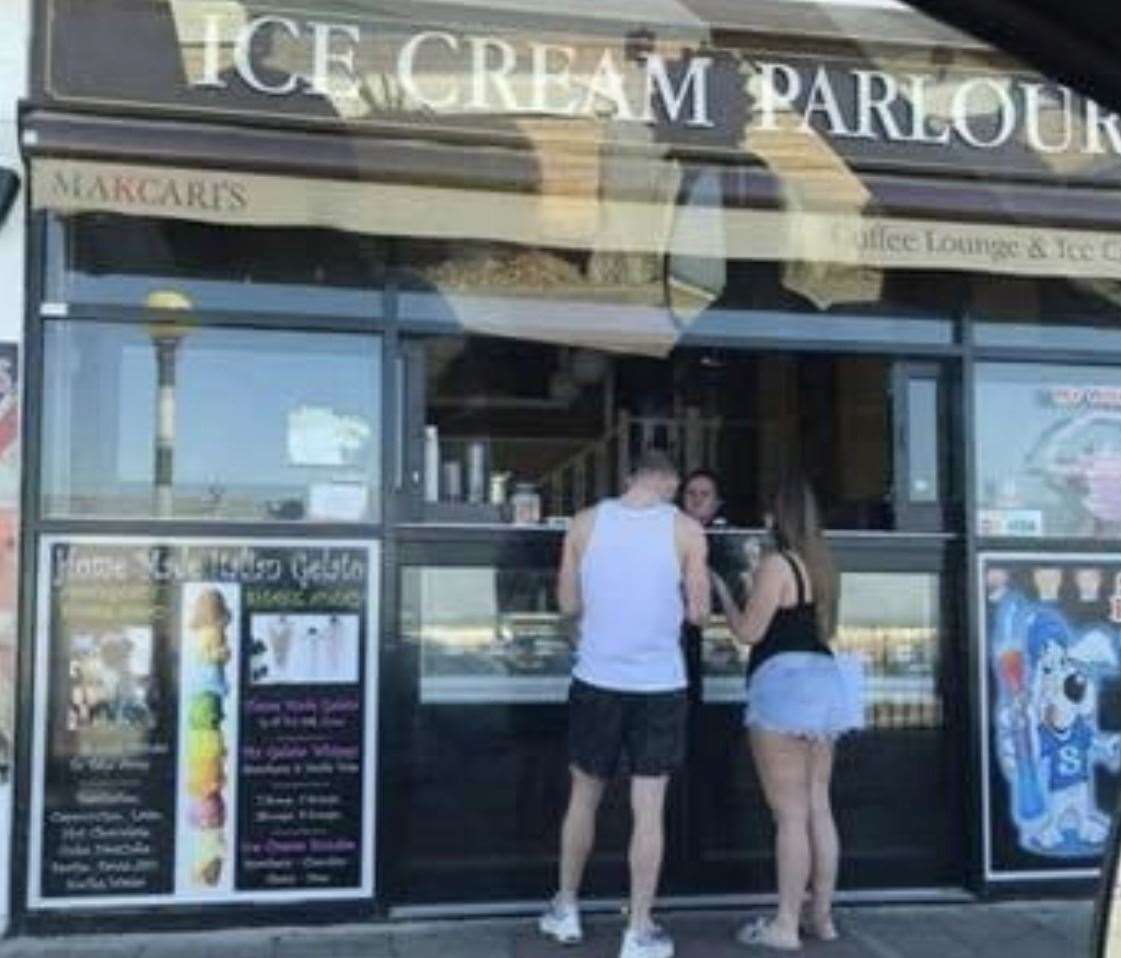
{"points": [[481, 670]]}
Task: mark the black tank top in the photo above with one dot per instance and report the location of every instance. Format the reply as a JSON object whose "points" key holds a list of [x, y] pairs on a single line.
{"points": [[793, 629]]}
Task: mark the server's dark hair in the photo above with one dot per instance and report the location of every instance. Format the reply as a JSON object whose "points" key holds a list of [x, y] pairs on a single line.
{"points": [[702, 474]]}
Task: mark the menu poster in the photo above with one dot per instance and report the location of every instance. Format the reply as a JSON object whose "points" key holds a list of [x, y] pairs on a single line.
{"points": [[203, 730], [300, 762], [1051, 674]]}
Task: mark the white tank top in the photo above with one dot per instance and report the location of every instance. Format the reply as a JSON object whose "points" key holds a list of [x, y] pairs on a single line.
{"points": [[630, 581]]}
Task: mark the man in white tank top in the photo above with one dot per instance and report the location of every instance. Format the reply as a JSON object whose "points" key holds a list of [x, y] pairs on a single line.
{"points": [[633, 569]]}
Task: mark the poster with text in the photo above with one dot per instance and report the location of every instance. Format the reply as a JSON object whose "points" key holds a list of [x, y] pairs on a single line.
{"points": [[205, 726], [1051, 695]]}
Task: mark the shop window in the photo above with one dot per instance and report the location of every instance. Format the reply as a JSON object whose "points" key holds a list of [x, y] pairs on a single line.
{"points": [[490, 657], [660, 301], [207, 423], [1027, 312], [103, 259], [1048, 451], [891, 621], [506, 421]]}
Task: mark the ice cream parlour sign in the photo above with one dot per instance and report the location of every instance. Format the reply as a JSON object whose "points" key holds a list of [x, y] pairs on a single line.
{"points": [[206, 722], [367, 66]]}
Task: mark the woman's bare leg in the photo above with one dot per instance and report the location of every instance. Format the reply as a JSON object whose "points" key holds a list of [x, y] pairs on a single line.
{"points": [[823, 839], [783, 762]]}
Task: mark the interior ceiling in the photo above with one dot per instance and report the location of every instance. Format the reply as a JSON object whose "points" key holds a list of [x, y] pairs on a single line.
{"points": [[1075, 43]]}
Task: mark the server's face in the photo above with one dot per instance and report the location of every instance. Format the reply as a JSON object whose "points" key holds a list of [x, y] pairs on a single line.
{"points": [[700, 499]]}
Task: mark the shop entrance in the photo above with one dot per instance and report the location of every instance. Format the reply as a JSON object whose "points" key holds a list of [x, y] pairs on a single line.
{"points": [[477, 759]]}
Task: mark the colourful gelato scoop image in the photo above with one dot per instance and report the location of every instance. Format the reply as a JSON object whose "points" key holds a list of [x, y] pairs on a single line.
{"points": [[210, 644], [205, 774], [208, 872], [211, 678], [205, 743], [205, 711], [210, 610], [208, 812], [203, 783], [209, 853]]}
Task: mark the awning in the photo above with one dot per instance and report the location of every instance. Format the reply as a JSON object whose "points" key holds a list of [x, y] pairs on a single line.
{"points": [[570, 222]]}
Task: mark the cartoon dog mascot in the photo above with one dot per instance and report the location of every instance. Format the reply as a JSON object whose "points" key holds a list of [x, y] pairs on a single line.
{"points": [[1048, 738]]}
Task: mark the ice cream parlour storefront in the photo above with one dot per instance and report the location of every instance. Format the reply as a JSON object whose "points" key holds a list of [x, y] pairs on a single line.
{"points": [[335, 322]]}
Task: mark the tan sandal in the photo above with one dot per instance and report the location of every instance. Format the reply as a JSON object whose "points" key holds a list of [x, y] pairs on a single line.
{"points": [[810, 927], [763, 933], [822, 932]]}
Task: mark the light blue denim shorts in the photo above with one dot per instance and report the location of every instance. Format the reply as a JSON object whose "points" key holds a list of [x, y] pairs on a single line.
{"points": [[806, 694]]}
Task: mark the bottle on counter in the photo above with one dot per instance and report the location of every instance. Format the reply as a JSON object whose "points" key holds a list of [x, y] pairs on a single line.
{"points": [[453, 480], [498, 483], [526, 504], [476, 472], [431, 464]]}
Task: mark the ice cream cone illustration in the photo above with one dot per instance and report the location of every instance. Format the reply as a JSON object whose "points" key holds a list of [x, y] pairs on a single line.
{"points": [[205, 765]]}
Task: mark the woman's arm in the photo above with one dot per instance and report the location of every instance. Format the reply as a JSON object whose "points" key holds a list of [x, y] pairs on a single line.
{"points": [[750, 624]]}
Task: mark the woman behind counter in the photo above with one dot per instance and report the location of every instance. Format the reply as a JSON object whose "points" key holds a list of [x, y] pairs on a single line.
{"points": [[797, 705]]}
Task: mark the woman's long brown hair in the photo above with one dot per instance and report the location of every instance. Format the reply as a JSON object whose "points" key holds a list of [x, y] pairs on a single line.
{"points": [[797, 529]]}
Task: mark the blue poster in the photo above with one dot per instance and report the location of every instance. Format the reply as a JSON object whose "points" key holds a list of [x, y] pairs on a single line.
{"points": [[1053, 656]]}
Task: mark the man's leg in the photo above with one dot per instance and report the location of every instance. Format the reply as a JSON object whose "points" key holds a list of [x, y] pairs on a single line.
{"points": [[578, 832], [648, 798]]}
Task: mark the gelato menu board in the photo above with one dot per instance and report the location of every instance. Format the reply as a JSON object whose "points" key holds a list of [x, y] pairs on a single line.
{"points": [[205, 723]]}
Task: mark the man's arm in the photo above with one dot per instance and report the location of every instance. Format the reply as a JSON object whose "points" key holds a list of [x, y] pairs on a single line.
{"points": [[568, 583], [694, 567]]}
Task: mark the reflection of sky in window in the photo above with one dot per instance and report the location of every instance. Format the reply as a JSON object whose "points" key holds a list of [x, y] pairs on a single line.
{"points": [[234, 392], [1011, 418], [889, 599]]}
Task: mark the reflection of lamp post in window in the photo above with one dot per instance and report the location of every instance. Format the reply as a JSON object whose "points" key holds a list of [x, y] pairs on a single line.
{"points": [[166, 336]]}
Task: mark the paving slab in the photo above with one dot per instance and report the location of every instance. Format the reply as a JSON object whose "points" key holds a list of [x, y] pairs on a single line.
{"points": [[1012, 930], [330, 944], [468, 942]]}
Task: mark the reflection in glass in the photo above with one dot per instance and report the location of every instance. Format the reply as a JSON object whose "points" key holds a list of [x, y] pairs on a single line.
{"points": [[490, 635], [1058, 471], [113, 259], [569, 422], [922, 440], [210, 423], [891, 621], [486, 634]]}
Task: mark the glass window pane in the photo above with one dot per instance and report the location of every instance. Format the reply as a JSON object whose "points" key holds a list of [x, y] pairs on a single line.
{"points": [[210, 423], [100, 259], [568, 422], [892, 621], [1041, 313], [1048, 450], [486, 634], [922, 440]]}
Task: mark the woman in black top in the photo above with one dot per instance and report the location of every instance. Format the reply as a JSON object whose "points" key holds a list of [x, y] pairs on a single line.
{"points": [[796, 707]]}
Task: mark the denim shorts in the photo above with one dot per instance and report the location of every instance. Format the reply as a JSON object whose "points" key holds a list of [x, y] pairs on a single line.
{"points": [[807, 695], [626, 733]]}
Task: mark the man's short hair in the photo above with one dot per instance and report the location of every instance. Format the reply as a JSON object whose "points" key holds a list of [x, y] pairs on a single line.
{"points": [[654, 461]]}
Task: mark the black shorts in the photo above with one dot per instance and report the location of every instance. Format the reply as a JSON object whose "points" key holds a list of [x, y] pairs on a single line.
{"points": [[629, 733]]}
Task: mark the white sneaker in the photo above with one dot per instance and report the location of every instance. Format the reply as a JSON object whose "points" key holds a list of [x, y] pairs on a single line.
{"points": [[654, 943], [561, 923]]}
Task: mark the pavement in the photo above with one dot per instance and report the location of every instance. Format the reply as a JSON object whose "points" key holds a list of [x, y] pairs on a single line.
{"points": [[1049, 929]]}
